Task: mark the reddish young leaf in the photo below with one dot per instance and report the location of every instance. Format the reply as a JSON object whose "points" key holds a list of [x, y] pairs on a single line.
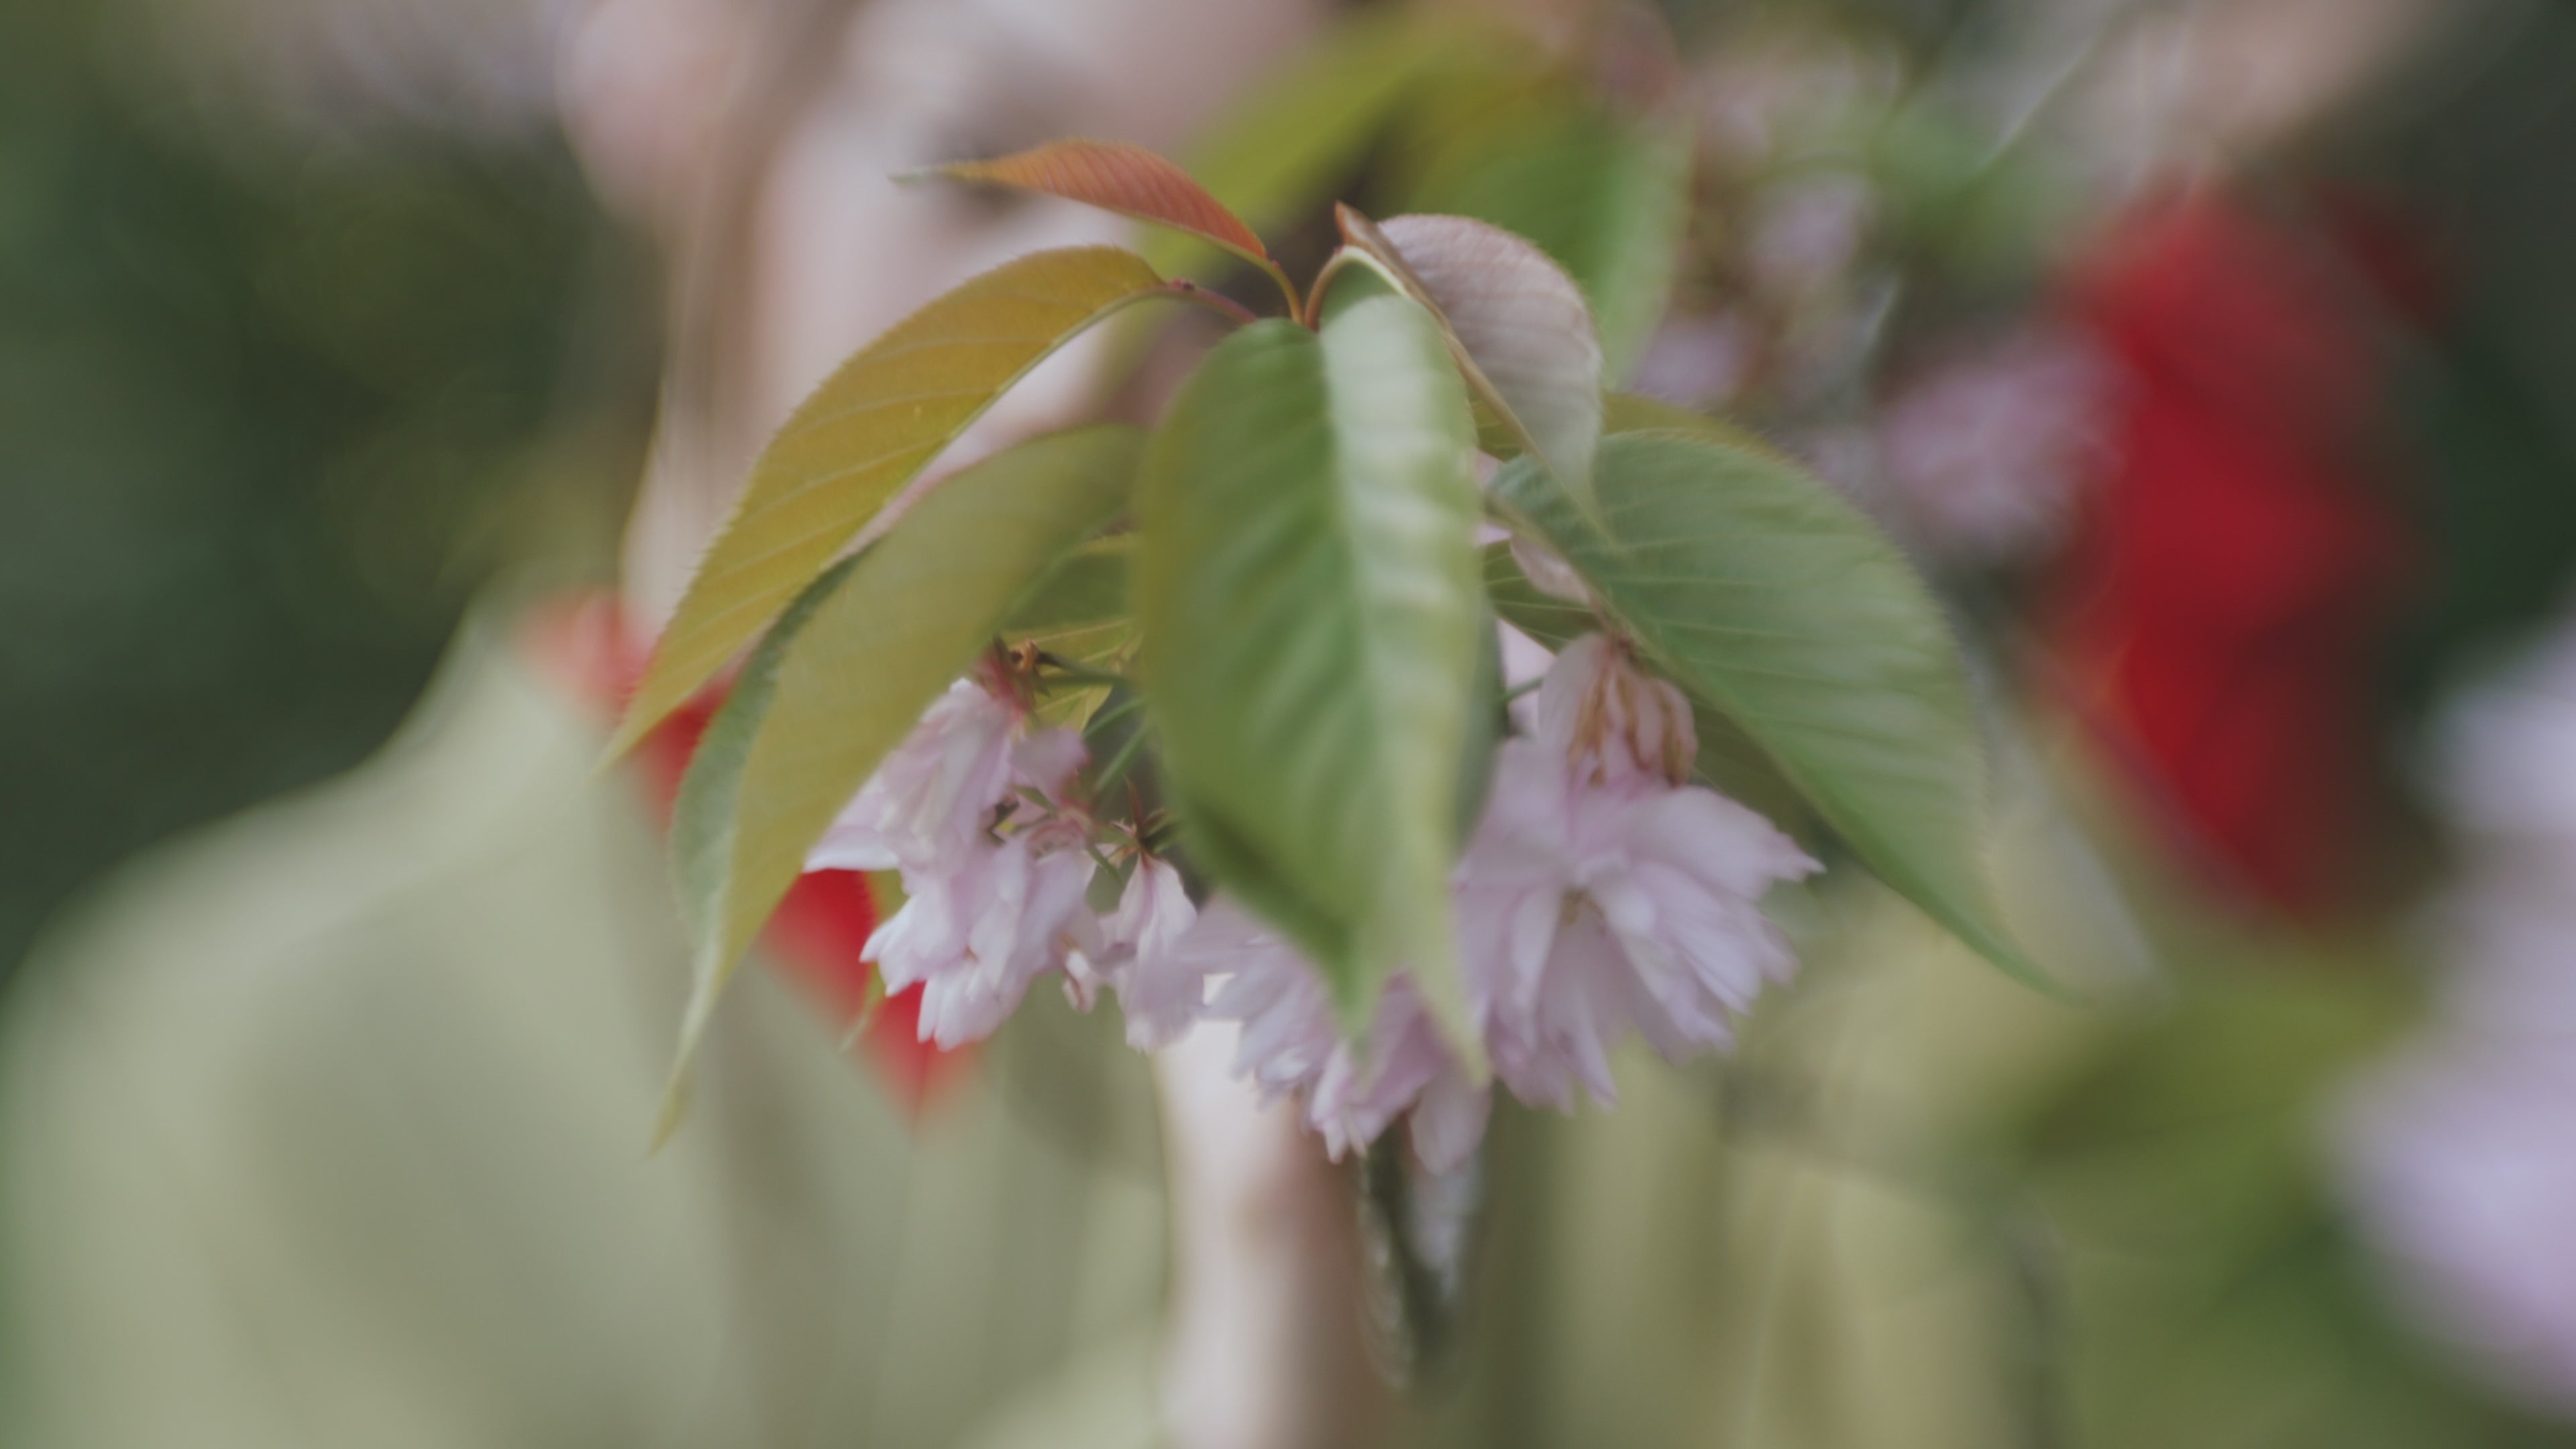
{"points": [[1129, 180]]}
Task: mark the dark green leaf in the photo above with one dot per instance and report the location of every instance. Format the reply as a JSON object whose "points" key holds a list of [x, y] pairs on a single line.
{"points": [[1766, 596], [1729, 761], [1307, 587]]}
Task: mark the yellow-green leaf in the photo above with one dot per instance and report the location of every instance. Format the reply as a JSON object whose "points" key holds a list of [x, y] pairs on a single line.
{"points": [[869, 430], [1628, 412], [1086, 591], [1079, 615], [849, 671]]}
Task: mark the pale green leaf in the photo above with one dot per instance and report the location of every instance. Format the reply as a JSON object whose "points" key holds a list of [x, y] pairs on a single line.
{"points": [[1086, 591], [1607, 199], [1516, 322], [869, 430], [1628, 412], [850, 669], [1307, 587], [1080, 616], [1760, 592]]}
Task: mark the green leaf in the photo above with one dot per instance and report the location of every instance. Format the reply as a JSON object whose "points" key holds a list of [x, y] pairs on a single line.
{"points": [[1763, 594], [1086, 591], [869, 430], [1079, 615], [849, 670], [1729, 761], [1551, 621], [1628, 412], [1515, 321], [1607, 199], [1307, 587]]}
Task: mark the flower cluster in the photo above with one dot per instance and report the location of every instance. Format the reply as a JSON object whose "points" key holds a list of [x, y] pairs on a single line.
{"points": [[976, 810], [1602, 895]]}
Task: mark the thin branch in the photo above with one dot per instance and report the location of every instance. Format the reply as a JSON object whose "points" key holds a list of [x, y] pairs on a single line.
{"points": [[1221, 304]]}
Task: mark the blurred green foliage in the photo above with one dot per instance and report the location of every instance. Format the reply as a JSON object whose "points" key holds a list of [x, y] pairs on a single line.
{"points": [[259, 402]]}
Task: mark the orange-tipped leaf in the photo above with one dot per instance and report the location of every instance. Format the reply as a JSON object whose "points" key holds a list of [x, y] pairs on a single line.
{"points": [[1129, 180]]}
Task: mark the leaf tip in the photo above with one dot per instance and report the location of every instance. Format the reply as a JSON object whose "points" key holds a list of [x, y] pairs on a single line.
{"points": [[622, 740]]}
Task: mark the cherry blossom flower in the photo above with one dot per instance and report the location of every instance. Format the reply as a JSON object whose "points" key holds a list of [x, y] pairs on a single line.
{"points": [[970, 810], [977, 933], [933, 796], [1140, 958], [1292, 1045], [1600, 896], [1599, 711]]}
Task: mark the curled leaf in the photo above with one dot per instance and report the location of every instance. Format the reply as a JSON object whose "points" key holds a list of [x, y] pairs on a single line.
{"points": [[1523, 333], [1608, 199]]}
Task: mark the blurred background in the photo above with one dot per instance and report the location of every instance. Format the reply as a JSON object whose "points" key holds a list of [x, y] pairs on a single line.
{"points": [[311, 323], [2216, 358]]}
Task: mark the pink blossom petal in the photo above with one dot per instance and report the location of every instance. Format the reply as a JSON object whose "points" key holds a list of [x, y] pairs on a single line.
{"points": [[1449, 1123]]}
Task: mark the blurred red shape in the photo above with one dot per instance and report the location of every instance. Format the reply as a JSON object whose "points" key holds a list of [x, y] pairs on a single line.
{"points": [[823, 922], [2236, 573]]}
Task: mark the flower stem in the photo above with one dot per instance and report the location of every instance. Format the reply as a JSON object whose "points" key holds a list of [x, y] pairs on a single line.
{"points": [[1083, 675]]}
